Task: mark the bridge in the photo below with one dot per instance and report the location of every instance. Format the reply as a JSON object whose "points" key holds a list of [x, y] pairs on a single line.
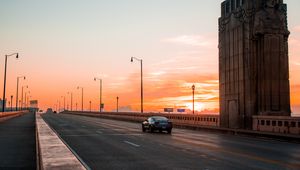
{"points": [[254, 130], [84, 140]]}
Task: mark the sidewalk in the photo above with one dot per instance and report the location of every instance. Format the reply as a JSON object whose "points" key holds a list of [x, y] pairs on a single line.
{"points": [[17, 143]]}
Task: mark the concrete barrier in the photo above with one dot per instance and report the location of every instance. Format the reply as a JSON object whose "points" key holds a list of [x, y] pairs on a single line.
{"points": [[187, 121], [8, 115], [52, 152]]}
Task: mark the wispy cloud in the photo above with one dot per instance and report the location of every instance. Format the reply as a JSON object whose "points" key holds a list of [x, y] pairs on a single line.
{"points": [[192, 40]]}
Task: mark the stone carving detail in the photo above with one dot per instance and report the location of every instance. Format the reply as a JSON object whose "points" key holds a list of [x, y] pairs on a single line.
{"points": [[271, 19]]}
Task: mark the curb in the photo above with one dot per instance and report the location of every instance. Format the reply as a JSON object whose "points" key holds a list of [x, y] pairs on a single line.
{"points": [[52, 153]]}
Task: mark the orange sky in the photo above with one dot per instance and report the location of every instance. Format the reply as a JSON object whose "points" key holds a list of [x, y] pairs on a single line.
{"points": [[63, 46]]}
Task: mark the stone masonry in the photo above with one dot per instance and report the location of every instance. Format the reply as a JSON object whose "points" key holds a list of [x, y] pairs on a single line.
{"points": [[253, 61]]}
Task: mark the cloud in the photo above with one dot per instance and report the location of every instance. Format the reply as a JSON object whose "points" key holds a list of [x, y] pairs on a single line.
{"points": [[191, 40]]}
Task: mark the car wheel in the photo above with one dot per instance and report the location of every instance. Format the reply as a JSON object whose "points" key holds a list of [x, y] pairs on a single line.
{"points": [[143, 129], [160, 131], [151, 129], [169, 131]]}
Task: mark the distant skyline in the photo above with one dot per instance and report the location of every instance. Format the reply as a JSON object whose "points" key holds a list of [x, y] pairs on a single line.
{"points": [[66, 43]]}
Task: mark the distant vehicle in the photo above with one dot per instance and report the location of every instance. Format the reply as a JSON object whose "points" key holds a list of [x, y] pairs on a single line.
{"points": [[159, 123], [49, 110], [54, 112], [40, 111]]}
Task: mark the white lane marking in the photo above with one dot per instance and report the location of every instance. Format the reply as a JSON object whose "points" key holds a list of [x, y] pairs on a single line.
{"points": [[99, 132], [122, 134], [132, 144]]}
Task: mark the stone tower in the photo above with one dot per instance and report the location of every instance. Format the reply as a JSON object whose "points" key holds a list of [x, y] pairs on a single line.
{"points": [[253, 61]]}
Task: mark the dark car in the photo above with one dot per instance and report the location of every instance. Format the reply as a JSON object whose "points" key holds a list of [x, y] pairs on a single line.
{"points": [[159, 123]]}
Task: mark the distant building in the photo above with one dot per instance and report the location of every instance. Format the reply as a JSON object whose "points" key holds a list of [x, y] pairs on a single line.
{"points": [[253, 61]]}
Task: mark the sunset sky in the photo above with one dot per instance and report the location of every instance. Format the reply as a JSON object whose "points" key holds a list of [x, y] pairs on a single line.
{"points": [[66, 43]]}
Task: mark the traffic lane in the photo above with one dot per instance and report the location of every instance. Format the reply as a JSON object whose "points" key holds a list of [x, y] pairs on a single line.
{"points": [[113, 149], [259, 152], [213, 148], [17, 143], [281, 153]]}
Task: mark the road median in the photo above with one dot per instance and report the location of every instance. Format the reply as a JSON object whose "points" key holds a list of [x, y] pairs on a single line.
{"points": [[52, 152]]}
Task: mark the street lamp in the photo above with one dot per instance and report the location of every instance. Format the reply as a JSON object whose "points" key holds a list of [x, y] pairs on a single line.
{"points": [[28, 101], [193, 88], [11, 99], [71, 106], [90, 106], [142, 95], [4, 87], [22, 102], [25, 104], [117, 103], [59, 106], [100, 95], [64, 102], [17, 96], [81, 97]]}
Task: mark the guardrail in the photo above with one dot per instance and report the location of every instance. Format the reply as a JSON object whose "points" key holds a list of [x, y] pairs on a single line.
{"points": [[8, 115], [177, 119], [195, 122], [277, 124]]}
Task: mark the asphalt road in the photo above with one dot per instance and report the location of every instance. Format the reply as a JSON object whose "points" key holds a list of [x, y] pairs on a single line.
{"points": [[111, 144], [17, 143]]}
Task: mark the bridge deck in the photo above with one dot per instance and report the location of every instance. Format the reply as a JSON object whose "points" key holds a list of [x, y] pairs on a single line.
{"points": [[111, 144]]}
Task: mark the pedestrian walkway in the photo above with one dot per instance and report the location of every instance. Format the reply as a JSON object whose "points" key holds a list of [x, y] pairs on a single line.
{"points": [[17, 143]]}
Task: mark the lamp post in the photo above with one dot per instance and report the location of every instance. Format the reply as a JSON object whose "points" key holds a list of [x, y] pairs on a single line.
{"points": [[142, 95], [81, 97], [64, 97], [193, 88], [17, 95], [100, 95], [71, 105], [76, 106], [59, 106], [22, 102], [4, 87], [56, 106], [25, 104], [11, 99], [28, 101], [117, 103], [90, 106]]}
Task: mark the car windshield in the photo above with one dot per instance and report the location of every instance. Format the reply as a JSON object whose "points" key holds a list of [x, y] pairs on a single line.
{"points": [[160, 119]]}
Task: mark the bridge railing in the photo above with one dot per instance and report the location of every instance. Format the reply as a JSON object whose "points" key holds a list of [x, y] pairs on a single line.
{"points": [[277, 124], [177, 119], [6, 115]]}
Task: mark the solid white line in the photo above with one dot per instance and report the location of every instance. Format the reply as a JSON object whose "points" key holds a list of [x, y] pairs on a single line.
{"points": [[133, 144]]}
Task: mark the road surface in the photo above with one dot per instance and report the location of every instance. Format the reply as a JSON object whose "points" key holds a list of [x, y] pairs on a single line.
{"points": [[111, 144], [17, 143]]}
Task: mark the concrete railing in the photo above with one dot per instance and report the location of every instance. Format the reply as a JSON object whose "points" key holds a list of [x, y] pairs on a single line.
{"points": [[8, 115], [277, 124], [52, 153], [196, 122], [177, 119]]}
